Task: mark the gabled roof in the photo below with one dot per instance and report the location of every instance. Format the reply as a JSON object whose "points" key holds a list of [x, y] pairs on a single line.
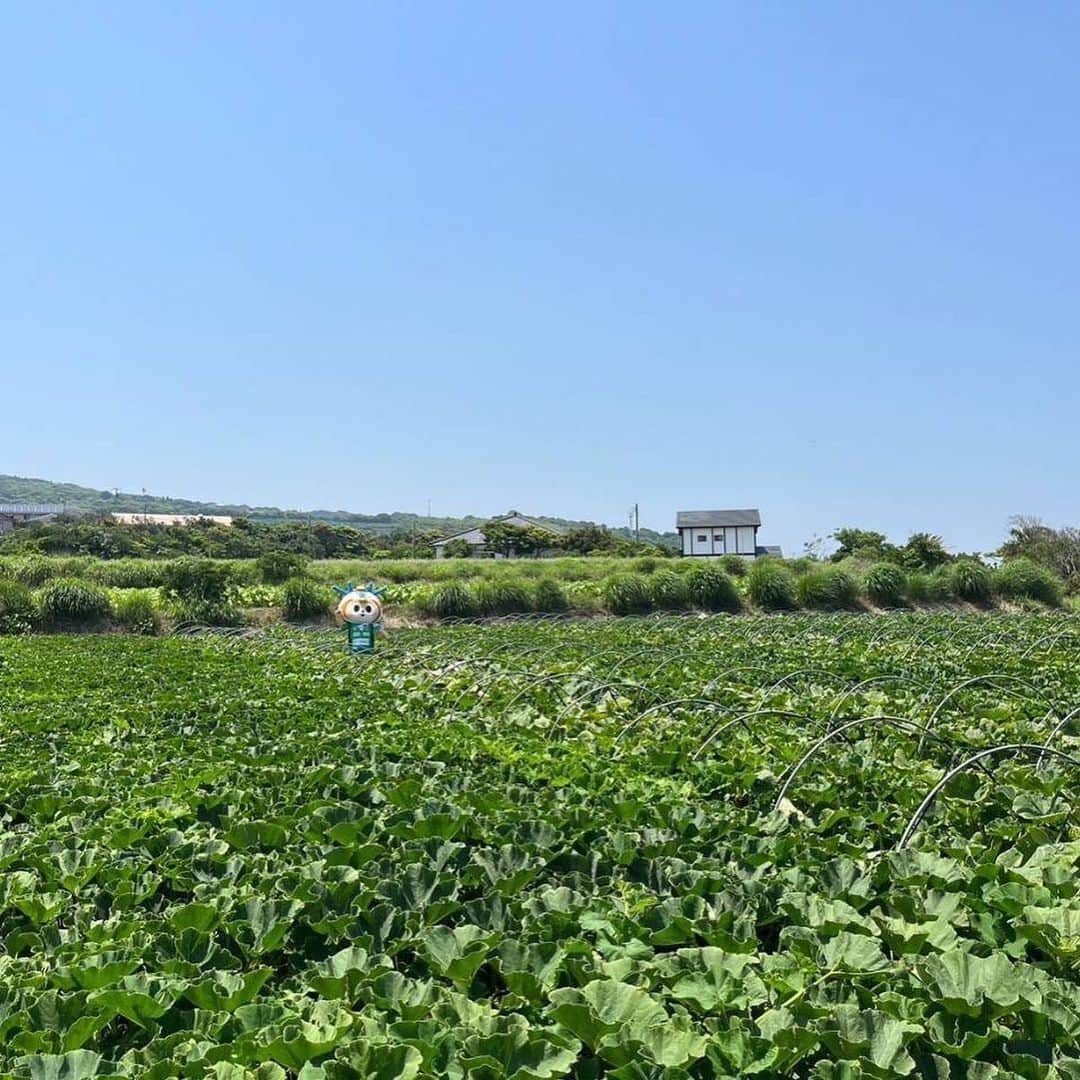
{"points": [[30, 508], [515, 519], [689, 519]]}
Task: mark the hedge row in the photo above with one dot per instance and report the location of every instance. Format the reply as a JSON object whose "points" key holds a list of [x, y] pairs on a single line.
{"points": [[200, 591]]}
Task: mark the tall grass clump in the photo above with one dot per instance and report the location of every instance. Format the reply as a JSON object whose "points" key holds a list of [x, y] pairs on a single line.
{"points": [[645, 565], [302, 598], [626, 594], [735, 565], [128, 573], [209, 613], [969, 580], [885, 584], [134, 611], [450, 601], [670, 591], [503, 597], [1021, 579], [196, 581], [68, 603], [827, 589], [771, 585], [277, 567], [33, 570], [928, 588], [550, 596], [16, 607], [712, 590]]}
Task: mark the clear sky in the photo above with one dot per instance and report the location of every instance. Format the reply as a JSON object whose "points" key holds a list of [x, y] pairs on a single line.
{"points": [[820, 259]]}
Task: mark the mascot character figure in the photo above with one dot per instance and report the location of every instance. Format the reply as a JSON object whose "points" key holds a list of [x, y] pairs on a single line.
{"points": [[360, 611]]}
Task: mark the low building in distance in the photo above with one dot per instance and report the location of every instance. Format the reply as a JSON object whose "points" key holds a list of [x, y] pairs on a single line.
{"points": [[712, 533], [12, 514], [476, 540], [170, 519]]}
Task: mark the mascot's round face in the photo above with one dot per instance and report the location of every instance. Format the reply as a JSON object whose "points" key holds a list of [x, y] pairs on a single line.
{"points": [[359, 607]]}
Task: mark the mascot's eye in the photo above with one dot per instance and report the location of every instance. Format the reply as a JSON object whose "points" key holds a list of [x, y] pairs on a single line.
{"points": [[356, 607], [368, 609]]}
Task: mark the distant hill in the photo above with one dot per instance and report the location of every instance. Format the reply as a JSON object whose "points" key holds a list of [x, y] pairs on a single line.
{"points": [[77, 499]]}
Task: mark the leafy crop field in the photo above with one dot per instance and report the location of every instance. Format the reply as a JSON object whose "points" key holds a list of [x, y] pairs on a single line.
{"points": [[830, 846]]}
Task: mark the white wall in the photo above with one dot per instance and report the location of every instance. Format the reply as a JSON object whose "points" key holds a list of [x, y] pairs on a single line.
{"points": [[719, 540]]}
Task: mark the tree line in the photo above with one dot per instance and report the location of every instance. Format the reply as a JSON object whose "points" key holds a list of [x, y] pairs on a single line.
{"points": [[106, 538]]}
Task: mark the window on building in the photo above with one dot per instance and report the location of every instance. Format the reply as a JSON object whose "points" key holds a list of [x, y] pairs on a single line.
{"points": [[718, 536], [702, 538]]}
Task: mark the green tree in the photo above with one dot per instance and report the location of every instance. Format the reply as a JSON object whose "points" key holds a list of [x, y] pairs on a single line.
{"points": [[588, 540], [924, 551], [510, 540], [1056, 549], [457, 549], [864, 543]]}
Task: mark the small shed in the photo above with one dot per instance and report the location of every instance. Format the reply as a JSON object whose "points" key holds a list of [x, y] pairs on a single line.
{"points": [[711, 533]]}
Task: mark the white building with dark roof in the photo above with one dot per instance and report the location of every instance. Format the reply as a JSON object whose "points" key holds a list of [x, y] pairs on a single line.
{"points": [[712, 533]]}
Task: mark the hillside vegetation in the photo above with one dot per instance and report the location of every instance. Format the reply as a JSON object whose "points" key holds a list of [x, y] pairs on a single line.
{"points": [[74, 497]]}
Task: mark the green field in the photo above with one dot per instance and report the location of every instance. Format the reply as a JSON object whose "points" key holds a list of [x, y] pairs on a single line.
{"points": [[682, 847]]}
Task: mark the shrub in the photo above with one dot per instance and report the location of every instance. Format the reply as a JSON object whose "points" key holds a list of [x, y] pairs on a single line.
{"points": [[735, 565], [16, 607], [453, 601], [276, 567], [198, 582], [712, 590], [969, 580], [128, 573], [550, 596], [669, 591], [927, 588], [302, 598], [885, 584], [134, 610], [645, 565], [33, 570], [503, 597], [210, 613], [771, 585], [827, 589], [1024, 579], [71, 603], [626, 594]]}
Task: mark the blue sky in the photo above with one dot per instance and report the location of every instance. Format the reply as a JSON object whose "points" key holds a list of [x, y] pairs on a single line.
{"points": [[820, 259]]}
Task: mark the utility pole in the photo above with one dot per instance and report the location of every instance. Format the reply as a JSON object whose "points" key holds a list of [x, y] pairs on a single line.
{"points": [[637, 526]]}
